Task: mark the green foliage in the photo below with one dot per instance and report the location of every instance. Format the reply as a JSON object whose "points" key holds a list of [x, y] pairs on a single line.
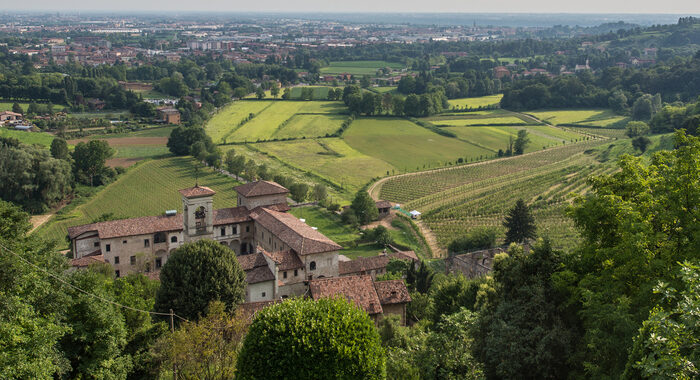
{"points": [[521, 142], [456, 292], [524, 315], [182, 138], [59, 149], [299, 192], [668, 344], [476, 238], [641, 143], [419, 279], [637, 224], [319, 192], [520, 223], [364, 208], [380, 235], [324, 339], [636, 129], [90, 159], [196, 274]]}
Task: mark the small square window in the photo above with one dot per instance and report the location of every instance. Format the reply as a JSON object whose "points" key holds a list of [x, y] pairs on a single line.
{"points": [[108, 247], [116, 259], [123, 241], [97, 244], [132, 260], [263, 294]]}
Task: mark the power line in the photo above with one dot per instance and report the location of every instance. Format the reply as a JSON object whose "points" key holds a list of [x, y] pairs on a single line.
{"points": [[61, 280]]}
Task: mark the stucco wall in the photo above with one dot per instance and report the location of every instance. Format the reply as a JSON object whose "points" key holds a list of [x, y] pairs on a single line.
{"points": [[254, 291], [266, 200]]}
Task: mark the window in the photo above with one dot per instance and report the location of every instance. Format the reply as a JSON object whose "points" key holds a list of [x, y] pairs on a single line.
{"points": [[223, 231], [247, 228], [116, 259], [200, 212], [262, 234], [146, 243], [108, 247], [296, 272], [235, 230], [123, 241], [269, 240], [263, 294], [173, 239], [159, 263], [116, 273], [97, 244], [132, 260], [160, 237], [312, 266], [148, 267], [284, 274]]}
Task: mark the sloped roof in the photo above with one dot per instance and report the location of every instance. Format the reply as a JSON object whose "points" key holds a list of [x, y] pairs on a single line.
{"points": [[383, 204], [293, 232], [362, 264], [130, 227], [357, 289], [285, 260], [260, 188], [392, 292], [91, 258], [231, 215], [197, 191], [255, 267]]}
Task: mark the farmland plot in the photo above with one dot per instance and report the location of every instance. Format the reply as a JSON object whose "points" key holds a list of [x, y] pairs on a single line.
{"points": [[481, 101]]}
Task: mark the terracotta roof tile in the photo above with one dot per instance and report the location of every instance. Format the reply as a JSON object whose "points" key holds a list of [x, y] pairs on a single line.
{"points": [[87, 260], [249, 309], [358, 289], [293, 232], [255, 267], [231, 215], [285, 260], [383, 204], [260, 188], [362, 264], [392, 292], [130, 227], [404, 255], [197, 191]]}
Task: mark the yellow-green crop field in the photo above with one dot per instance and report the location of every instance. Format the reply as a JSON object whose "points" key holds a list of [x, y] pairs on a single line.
{"points": [[506, 120], [29, 138], [481, 101], [230, 116], [589, 117], [146, 189], [405, 145], [358, 67], [497, 137]]}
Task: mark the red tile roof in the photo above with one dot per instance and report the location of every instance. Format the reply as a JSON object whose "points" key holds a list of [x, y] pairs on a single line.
{"points": [[383, 204], [293, 232], [255, 267], [285, 260], [357, 289], [130, 227], [249, 309], [197, 191], [260, 188], [361, 265], [231, 215], [392, 292], [87, 260]]}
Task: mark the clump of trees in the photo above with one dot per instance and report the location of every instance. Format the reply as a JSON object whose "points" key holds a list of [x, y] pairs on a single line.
{"points": [[477, 238]]}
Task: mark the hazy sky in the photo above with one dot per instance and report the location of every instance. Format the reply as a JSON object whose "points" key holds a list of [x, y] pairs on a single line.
{"points": [[530, 6]]}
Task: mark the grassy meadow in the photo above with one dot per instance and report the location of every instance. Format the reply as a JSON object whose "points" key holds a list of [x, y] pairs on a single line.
{"points": [[29, 138], [587, 117], [146, 189], [481, 101], [358, 67]]}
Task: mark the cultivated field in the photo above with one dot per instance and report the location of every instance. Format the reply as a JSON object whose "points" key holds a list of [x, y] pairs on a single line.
{"points": [[147, 189], [7, 106], [29, 138], [584, 117], [271, 119], [358, 67], [481, 101], [405, 145], [497, 138]]}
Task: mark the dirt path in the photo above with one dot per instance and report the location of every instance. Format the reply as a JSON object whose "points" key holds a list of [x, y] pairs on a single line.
{"points": [[386, 222], [38, 220], [431, 240]]}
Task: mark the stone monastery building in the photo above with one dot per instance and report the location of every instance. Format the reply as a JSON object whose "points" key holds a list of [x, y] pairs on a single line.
{"points": [[281, 255]]}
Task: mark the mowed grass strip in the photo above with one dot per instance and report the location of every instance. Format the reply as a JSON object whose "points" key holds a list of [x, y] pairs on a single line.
{"points": [[599, 117], [406, 145], [147, 189], [29, 138], [306, 125], [229, 117], [510, 120], [358, 67], [328, 223], [329, 158], [481, 101]]}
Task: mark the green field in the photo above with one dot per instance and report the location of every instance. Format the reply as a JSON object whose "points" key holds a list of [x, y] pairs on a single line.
{"points": [[617, 133], [506, 120], [383, 90], [588, 117], [141, 151], [481, 101], [328, 223], [359, 67], [275, 119], [146, 189], [7, 106], [495, 138], [320, 92], [30, 138], [405, 145]]}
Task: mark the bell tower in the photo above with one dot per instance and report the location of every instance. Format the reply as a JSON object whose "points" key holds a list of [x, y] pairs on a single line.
{"points": [[197, 213]]}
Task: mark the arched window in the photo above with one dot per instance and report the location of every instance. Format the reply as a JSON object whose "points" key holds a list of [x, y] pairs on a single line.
{"points": [[312, 265], [173, 239], [200, 212], [160, 237]]}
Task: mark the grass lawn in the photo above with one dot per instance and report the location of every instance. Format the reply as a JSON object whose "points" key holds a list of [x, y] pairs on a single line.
{"points": [[320, 92], [28, 138], [383, 90], [7, 106], [589, 117], [484, 121], [359, 67], [405, 145], [305, 125], [328, 223], [496, 138], [228, 118], [481, 101], [331, 159], [141, 151], [363, 250], [149, 188]]}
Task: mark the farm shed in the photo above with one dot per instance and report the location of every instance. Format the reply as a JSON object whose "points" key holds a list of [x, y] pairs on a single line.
{"points": [[415, 214]]}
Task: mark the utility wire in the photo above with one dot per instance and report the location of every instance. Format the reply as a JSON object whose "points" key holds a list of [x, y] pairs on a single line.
{"points": [[61, 280]]}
